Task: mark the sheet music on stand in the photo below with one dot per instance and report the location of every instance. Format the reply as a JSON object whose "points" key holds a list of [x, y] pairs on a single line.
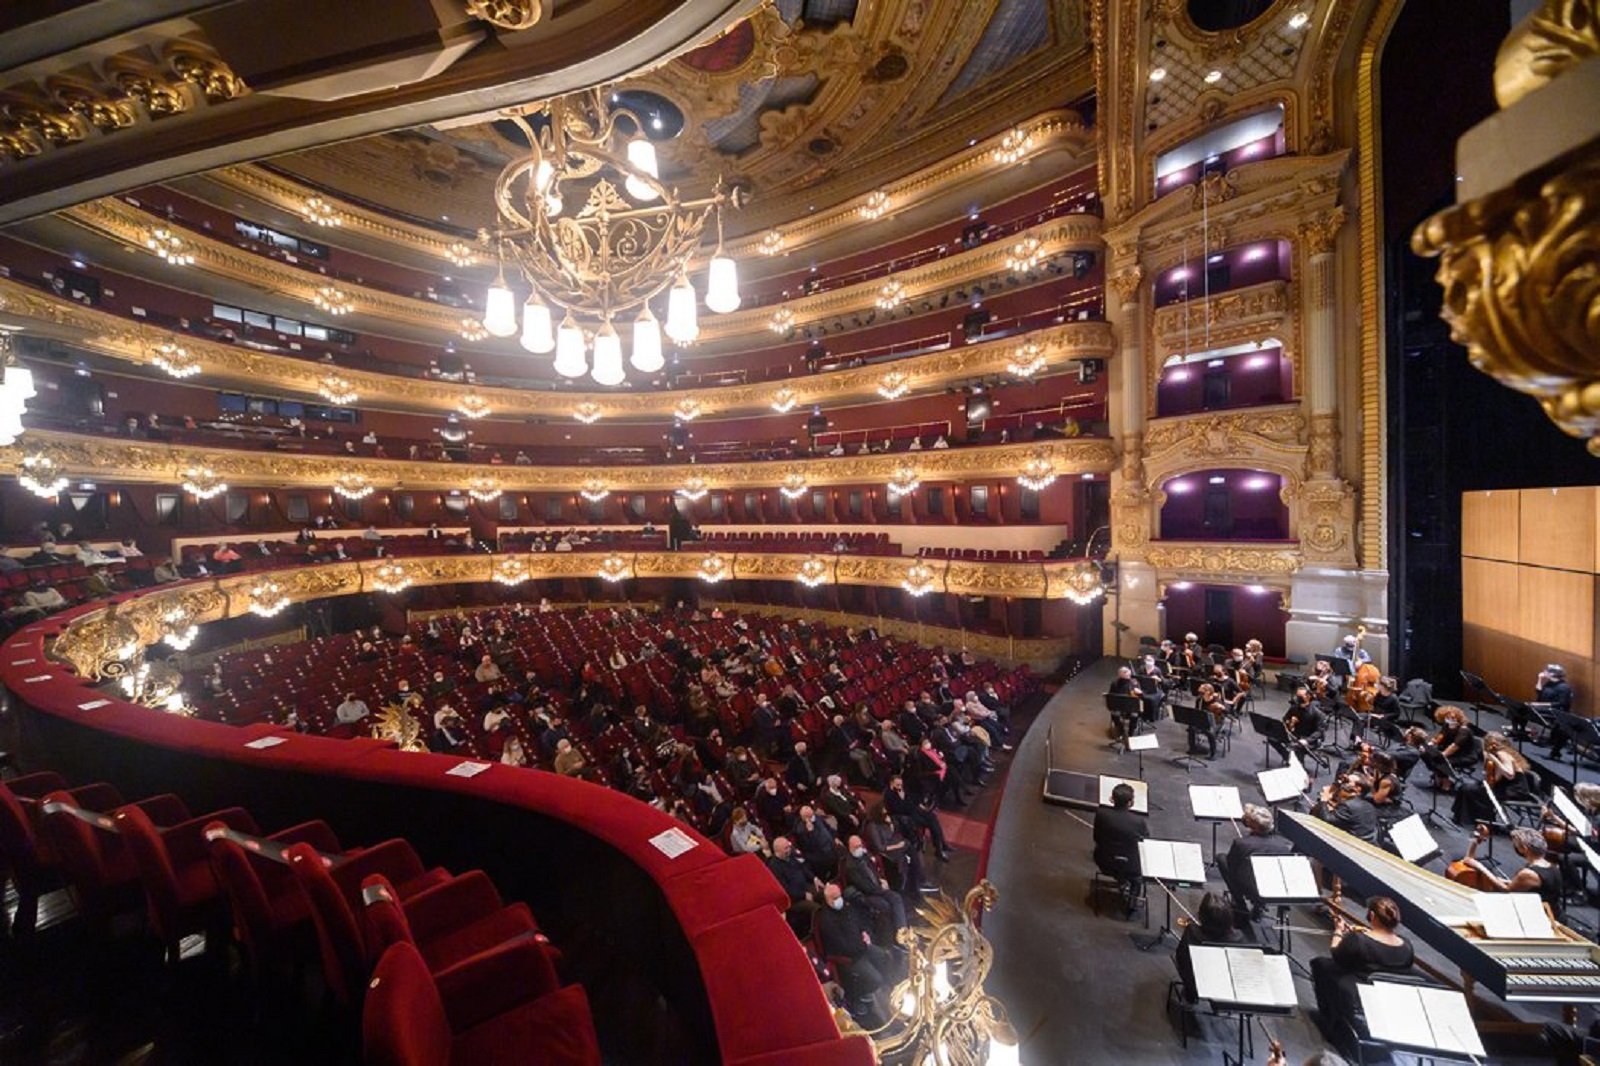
{"points": [[1412, 840], [1246, 976], [1514, 916], [1284, 878], [1436, 1019], [1141, 792], [1216, 801], [1284, 783], [1179, 861], [1571, 811], [1499, 811], [1588, 853], [1143, 742]]}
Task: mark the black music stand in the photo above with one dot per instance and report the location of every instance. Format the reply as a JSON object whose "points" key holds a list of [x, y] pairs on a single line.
{"points": [[1581, 733], [1471, 682], [1128, 710], [1274, 734], [1197, 719]]}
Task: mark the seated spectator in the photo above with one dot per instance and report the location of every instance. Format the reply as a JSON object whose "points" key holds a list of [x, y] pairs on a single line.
{"points": [[89, 555], [745, 836], [487, 671], [351, 711], [451, 734], [371, 533], [940, 442], [8, 563], [493, 718], [864, 885], [844, 930], [513, 754], [569, 761], [915, 445], [802, 886], [523, 458], [225, 558], [99, 583], [165, 573], [816, 841]]}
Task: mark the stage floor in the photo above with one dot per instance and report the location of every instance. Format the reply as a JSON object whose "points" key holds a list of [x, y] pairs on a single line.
{"points": [[1077, 988]]}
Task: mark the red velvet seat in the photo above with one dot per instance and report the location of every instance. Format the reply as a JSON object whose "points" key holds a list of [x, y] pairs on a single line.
{"points": [[438, 922], [478, 1015], [271, 918], [181, 890], [93, 857]]}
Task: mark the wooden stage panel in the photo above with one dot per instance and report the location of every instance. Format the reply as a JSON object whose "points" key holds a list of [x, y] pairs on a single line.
{"points": [[1489, 525], [1557, 528], [1490, 595], [1557, 610]]}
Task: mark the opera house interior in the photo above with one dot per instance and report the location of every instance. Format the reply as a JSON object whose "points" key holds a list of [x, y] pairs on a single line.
{"points": [[917, 532]]}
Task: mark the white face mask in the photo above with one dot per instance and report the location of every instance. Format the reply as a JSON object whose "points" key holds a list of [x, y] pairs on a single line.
{"points": [[858, 852], [837, 904]]}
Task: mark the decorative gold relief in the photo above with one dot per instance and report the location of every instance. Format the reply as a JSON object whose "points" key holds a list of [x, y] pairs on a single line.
{"points": [[1327, 522], [1261, 305], [1270, 438], [1561, 34], [1221, 560], [507, 14], [1317, 234], [205, 70]]}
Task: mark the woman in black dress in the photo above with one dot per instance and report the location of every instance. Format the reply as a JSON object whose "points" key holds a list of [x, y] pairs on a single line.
{"points": [[1354, 956]]}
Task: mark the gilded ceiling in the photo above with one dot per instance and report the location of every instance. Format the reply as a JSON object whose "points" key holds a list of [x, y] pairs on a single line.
{"points": [[807, 101]]}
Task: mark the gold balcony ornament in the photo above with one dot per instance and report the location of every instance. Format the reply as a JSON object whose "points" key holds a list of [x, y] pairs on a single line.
{"points": [[813, 572], [484, 489], [586, 412], [894, 385], [157, 685], [1038, 474], [714, 568], [890, 296], [320, 212], [784, 400], [398, 726], [782, 321], [460, 254], [473, 406], [771, 243], [687, 410], [337, 390], [904, 481], [511, 15], [202, 483], [1013, 147], [1085, 583], [472, 330], [694, 489], [586, 219], [614, 568], [266, 598], [594, 490], [42, 475], [875, 206], [178, 629], [352, 486], [174, 359], [943, 1016], [391, 576], [1025, 255], [512, 570], [1027, 361], [172, 249], [919, 579], [333, 300], [794, 485]]}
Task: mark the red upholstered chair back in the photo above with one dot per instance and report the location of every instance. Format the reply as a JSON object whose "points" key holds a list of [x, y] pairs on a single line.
{"points": [[87, 856], [344, 962], [403, 1022], [247, 897], [143, 841], [383, 920], [19, 848]]}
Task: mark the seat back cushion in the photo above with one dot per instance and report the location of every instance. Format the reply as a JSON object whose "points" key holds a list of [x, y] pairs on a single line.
{"points": [[403, 1022]]}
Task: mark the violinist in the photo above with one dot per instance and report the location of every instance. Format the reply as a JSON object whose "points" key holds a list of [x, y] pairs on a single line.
{"points": [[1385, 712], [1126, 684], [1453, 749], [1305, 719], [1206, 698], [1387, 785], [1347, 804], [1505, 773], [1354, 955], [1227, 688], [1191, 655], [1153, 686], [1255, 659], [1239, 672]]}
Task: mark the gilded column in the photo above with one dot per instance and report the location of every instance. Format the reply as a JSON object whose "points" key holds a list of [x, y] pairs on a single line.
{"points": [[1321, 341]]}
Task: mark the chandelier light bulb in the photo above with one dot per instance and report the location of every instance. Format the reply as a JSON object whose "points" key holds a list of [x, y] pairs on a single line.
{"points": [[722, 284], [1027, 361], [320, 212], [784, 400], [646, 356], [352, 486], [570, 361], [175, 360], [892, 295], [594, 490], [682, 323], [543, 175], [472, 330], [538, 330], [614, 568], [511, 571], [875, 206], [337, 391], [10, 425], [484, 489], [608, 356], [42, 476], [794, 486], [687, 410], [459, 253], [202, 483], [771, 242], [642, 157], [500, 309]]}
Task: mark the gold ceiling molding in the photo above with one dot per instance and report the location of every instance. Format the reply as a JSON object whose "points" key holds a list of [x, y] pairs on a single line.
{"points": [[1198, 561], [121, 90], [122, 221], [119, 338], [113, 459]]}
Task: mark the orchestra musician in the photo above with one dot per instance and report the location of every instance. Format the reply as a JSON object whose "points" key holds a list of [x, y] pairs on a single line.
{"points": [[1305, 718], [1347, 804], [1226, 684], [1207, 699], [1238, 873], [1354, 955], [1453, 749], [1351, 651], [1538, 873], [1385, 711], [1126, 684], [1191, 655], [1505, 772], [1255, 659], [1552, 688]]}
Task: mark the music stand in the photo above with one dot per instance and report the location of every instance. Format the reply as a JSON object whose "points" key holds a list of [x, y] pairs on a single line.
{"points": [[1197, 719], [1472, 682], [1272, 732], [1581, 733], [1126, 709]]}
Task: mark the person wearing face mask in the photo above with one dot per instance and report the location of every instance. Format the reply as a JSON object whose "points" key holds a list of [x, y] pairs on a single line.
{"points": [[816, 841], [901, 861], [844, 930], [863, 884], [771, 805], [915, 816], [801, 885]]}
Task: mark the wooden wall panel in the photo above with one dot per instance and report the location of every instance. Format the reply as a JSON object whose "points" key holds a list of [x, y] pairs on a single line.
{"points": [[1490, 595], [1489, 525], [1556, 609], [1557, 528]]}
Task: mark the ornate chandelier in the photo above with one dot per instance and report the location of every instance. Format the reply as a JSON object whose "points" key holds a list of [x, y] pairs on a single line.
{"points": [[942, 1014], [337, 390], [782, 321], [875, 206], [172, 248], [472, 330], [687, 410], [333, 300], [919, 579], [1085, 584], [175, 360], [352, 486], [614, 568], [178, 628], [266, 598], [42, 475], [596, 251], [511, 571], [1025, 255], [794, 485], [594, 490], [203, 483], [714, 568], [892, 295], [156, 685], [391, 577], [1013, 146], [587, 412], [771, 243], [1027, 361], [784, 400], [484, 489], [894, 385], [813, 572], [1038, 474], [473, 406], [904, 481], [694, 489]]}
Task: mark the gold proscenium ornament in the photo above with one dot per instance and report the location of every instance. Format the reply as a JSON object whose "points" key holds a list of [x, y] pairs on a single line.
{"points": [[614, 568], [1085, 583]]}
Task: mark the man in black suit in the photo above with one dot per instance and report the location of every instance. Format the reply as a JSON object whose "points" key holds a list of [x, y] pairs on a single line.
{"points": [[800, 774], [910, 724], [816, 842], [843, 930], [1117, 832], [1237, 872], [798, 881], [863, 885], [913, 815]]}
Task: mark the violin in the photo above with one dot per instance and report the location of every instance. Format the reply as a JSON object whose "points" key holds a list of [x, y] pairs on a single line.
{"points": [[1464, 870]]}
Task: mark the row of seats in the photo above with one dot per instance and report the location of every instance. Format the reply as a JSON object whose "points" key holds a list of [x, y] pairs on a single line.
{"points": [[438, 966]]}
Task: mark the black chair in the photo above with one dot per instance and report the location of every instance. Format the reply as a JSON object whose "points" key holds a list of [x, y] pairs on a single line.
{"points": [[1120, 872], [1417, 698]]}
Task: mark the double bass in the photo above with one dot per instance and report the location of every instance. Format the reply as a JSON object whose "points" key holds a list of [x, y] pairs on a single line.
{"points": [[1363, 687]]}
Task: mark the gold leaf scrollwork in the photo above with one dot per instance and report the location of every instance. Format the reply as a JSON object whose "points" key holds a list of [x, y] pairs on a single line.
{"points": [[1561, 34], [510, 15]]}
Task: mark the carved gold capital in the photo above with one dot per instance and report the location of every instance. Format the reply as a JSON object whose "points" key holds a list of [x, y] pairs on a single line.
{"points": [[1125, 283], [507, 14], [1317, 235]]}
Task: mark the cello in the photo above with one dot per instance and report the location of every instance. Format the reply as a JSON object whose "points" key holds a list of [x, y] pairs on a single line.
{"points": [[1465, 871], [1363, 688]]}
